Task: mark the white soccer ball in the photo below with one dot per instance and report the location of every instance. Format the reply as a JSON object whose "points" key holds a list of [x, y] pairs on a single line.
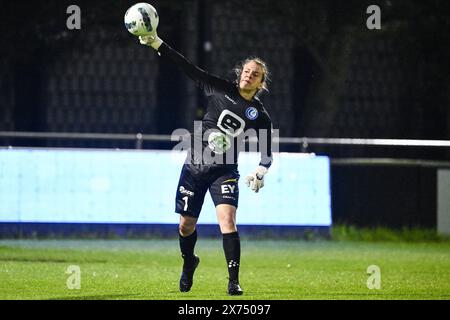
{"points": [[141, 19]]}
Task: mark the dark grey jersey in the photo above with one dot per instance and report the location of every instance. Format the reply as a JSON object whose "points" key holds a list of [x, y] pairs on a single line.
{"points": [[229, 118]]}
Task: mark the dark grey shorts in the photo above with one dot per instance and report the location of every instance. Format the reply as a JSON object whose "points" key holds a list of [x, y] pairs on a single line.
{"points": [[196, 180]]}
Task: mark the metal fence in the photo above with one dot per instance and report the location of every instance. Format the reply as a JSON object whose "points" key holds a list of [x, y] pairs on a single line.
{"points": [[303, 142]]}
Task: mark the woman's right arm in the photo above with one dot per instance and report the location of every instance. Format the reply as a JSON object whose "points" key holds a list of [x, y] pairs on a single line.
{"points": [[203, 78]]}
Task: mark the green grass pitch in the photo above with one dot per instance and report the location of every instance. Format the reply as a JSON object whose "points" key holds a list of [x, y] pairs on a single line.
{"points": [[270, 269]]}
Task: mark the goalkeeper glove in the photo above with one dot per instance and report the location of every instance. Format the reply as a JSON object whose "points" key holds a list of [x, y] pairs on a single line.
{"points": [[151, 40], [255, 180]]}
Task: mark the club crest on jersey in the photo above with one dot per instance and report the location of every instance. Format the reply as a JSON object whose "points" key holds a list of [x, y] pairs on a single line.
{"points": [[251, 113]]}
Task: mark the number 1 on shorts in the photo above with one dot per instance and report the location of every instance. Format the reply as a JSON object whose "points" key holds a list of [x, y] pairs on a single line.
{"points": [[185, 203]]}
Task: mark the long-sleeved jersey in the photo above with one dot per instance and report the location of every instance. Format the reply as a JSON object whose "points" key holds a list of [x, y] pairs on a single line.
{"points": [[229, 118]]}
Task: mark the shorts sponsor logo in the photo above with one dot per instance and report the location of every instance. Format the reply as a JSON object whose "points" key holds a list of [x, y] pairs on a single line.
{"points": [[186, 192], [227, 188], [228, 197], [230, 180]]}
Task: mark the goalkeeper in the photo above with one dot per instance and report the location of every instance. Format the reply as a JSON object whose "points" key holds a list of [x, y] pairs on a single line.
{"points": [[233, 108]]}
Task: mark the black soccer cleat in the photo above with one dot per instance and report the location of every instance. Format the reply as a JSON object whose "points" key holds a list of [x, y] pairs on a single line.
{"points": [[187, 274], [234, 289]]}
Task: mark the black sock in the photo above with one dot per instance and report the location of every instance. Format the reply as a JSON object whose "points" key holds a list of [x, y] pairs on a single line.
{"points": [[232, 249], [187, 245]]}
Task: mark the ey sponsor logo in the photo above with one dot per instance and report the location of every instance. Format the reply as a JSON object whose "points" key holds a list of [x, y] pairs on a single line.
{"points": [[228, 188]]}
